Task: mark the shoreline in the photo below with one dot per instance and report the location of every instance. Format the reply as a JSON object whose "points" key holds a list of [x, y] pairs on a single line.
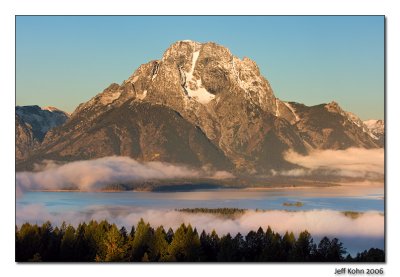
{"points": [[195, 190], [339, 186]]}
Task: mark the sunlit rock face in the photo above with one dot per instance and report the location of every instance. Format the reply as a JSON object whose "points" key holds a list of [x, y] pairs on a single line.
{"points": [[199, 104]]}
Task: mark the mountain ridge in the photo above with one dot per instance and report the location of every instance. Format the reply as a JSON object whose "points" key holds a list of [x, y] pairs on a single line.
{"points": [[223, 96], [31, 125]]}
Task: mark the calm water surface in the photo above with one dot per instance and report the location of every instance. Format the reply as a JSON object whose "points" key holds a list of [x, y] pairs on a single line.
{"points": [[340, 199]]}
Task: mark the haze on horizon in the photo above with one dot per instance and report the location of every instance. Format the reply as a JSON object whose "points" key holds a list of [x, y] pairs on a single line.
{"points": [[66, 60]]}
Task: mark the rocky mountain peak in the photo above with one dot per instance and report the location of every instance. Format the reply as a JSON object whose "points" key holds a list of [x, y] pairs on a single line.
{"points": [[51, 109], [228, 108], [201, 73], [377, 128], [333, 107], [377, 124], [180, 50], [191, 77]]}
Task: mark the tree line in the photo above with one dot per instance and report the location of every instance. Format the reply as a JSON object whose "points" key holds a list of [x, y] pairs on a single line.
{"points": [[105, 242], [225, 212]]}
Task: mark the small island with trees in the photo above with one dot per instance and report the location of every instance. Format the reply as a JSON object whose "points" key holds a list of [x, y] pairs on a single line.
{"points": [[293, 204]]}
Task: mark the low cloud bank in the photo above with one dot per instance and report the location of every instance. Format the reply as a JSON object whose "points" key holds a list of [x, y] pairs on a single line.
{"points": [[352, 162], [317, 222], [93, 174], [357, 234]]}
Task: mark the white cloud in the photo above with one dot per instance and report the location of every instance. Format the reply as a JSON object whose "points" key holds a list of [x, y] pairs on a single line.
{"points": [[352, 162], [317, 222], [361, 233], [92, 174]]}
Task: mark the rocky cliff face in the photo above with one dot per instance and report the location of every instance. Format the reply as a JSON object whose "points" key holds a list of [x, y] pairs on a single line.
{"points": [[41, 119], [328, 126], [143, 131], [24, 140], [377, 128], [214, 107], [32, 124]]}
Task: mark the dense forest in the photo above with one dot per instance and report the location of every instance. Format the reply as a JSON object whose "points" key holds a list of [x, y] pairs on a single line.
{"points": [[104, 242]]}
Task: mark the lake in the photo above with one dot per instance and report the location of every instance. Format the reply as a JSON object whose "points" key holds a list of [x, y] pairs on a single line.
{"points": [[312, 198], [321, 212]]}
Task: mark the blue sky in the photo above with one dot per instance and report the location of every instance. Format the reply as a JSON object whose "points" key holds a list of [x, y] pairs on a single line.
{"points": [[64, 61]]}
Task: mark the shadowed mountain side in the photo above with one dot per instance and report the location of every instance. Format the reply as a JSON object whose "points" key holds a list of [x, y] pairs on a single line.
{"points": [[24, 139], [327, 126], [143, 131], [31, 125]]}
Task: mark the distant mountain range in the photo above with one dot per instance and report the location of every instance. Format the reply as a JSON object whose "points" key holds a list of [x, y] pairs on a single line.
{"points": [[31, 126], [199, 106]]}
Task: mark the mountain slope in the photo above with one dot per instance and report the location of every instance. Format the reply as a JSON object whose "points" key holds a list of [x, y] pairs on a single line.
{"points": [[328, 126], [41, 119], [151, 132], [200, 105], [31, 125], [24, 139], [377, 128]]}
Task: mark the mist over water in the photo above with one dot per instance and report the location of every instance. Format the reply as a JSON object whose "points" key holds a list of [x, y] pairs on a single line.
{"points": [[361, 232], [351, 162], [322, 212], [91, 175]]}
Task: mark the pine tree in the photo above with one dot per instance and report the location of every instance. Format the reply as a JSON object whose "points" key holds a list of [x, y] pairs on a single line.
{"points": [[114, 246], [81, 248], [288, 243], [28, 242], [185, 245], [330, 251], [304, 248], [158, 250], [209, 246], [67, 245], [142, 240], [239, 246], [226, 249], [170, 235]]}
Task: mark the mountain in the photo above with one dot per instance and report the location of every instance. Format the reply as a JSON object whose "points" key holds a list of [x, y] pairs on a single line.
{"points": [[24, 140], [200, 105], [328, 126], [41, 119], [377, 128], [144, 131], [32, 124]]}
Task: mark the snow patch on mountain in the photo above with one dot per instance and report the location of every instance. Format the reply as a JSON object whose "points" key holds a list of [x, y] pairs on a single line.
{"points": [[194, 86], [277, 113], [143, 95], [52, 109], [200, 94], [236, 73], [357, 121], [155, 71], [376, 126], [292, 110], [352, 118]]}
